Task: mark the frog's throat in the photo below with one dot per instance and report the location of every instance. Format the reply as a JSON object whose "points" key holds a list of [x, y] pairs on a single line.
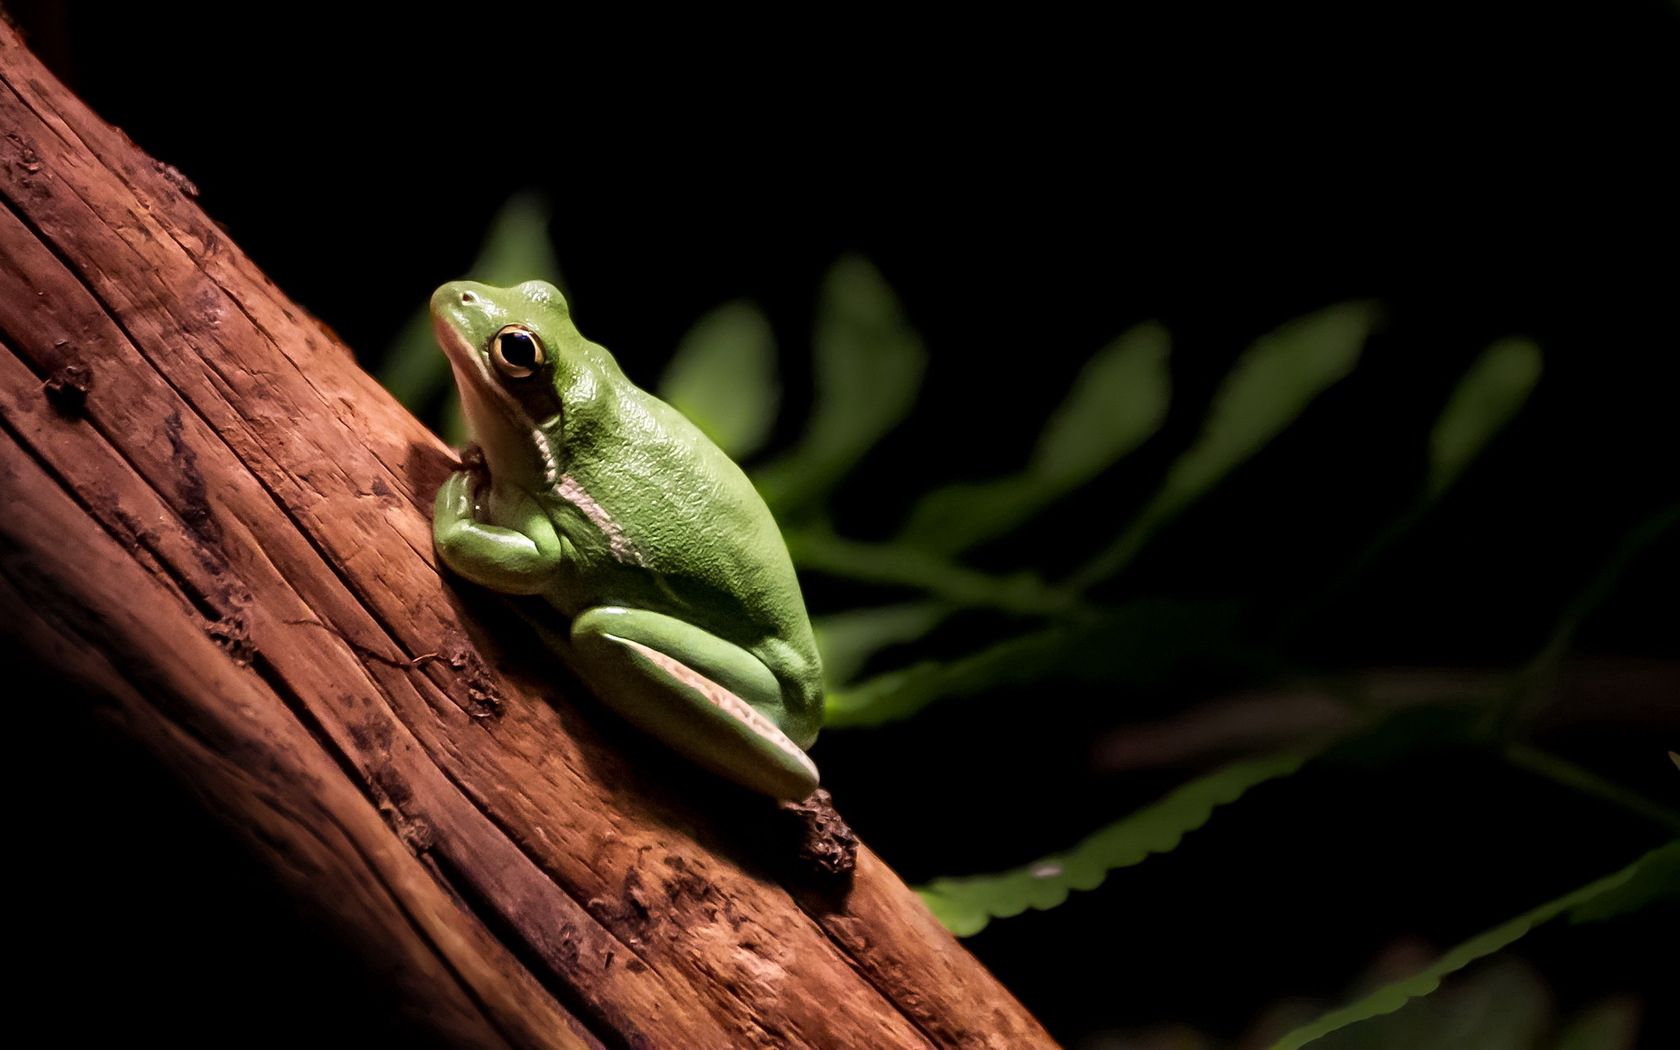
{"points": [[515, 448]]}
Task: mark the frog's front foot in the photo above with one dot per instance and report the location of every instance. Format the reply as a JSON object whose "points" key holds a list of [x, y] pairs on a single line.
{"points": [[473, 463], [510, 560]]}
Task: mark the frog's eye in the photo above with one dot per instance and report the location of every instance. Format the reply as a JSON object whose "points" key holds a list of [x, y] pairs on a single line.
{"points": [[517, 351]]}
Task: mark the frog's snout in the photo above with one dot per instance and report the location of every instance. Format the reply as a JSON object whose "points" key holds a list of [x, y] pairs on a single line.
{"points": [[451, 299]]}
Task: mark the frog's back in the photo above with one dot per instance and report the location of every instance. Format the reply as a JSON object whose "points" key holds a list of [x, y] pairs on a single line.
{"points": [[667, 521]]}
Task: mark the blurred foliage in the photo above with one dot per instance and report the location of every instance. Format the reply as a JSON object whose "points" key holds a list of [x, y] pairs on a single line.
{"points": [[1271, 384], [1611, 1025], [1118, 401], [869, 364], [1138, 643], [1489, 395], [1503, 1008], [965, 905], [1632, 887], [1503, 1004], [724, 378]]}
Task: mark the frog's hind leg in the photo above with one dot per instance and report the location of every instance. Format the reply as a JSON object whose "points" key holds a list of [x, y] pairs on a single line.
{"points": [[706, 697]]}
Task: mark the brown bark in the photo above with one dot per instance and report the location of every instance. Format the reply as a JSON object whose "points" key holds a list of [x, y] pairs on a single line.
{"points": [[218, 523]]}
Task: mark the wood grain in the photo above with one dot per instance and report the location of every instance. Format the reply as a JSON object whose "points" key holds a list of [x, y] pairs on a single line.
{"points": [[219, 523]]}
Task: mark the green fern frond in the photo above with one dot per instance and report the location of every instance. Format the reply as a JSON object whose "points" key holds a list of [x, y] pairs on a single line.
{"points": [[1653, 875], [966, 904]]}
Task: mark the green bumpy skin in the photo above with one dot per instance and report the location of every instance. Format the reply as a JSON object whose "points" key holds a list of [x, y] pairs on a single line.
{"points": [[672, 592]]}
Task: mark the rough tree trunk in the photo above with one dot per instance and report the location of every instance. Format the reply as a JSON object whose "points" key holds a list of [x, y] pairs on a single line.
{"points": [[216, 522]]}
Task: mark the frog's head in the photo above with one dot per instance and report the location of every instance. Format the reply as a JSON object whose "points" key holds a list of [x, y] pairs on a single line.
{"points": [[512, 350]]}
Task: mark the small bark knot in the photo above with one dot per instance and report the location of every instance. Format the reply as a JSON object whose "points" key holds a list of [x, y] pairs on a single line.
{"points": [[67, 389], [827, 845]]}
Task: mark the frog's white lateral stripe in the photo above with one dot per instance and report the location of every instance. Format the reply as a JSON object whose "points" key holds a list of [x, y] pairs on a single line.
{"points": [[620, 545], [551, 469], [725, 701]]}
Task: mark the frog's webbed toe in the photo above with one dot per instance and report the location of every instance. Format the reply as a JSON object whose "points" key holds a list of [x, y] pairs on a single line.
{"points": [[705, 697]]}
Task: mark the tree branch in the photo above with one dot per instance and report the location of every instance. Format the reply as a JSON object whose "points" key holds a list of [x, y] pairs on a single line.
{"points": [[219, 524]]}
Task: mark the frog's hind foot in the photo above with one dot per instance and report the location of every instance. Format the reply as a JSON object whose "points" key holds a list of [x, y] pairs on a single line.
{"points": [[624, 655], [726, 702]]}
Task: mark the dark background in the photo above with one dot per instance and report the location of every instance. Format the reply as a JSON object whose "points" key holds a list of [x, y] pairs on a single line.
{"points": [[1029, 190]]}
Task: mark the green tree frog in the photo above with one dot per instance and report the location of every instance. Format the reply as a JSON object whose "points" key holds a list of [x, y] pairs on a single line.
{"points": [[671, 590]]}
